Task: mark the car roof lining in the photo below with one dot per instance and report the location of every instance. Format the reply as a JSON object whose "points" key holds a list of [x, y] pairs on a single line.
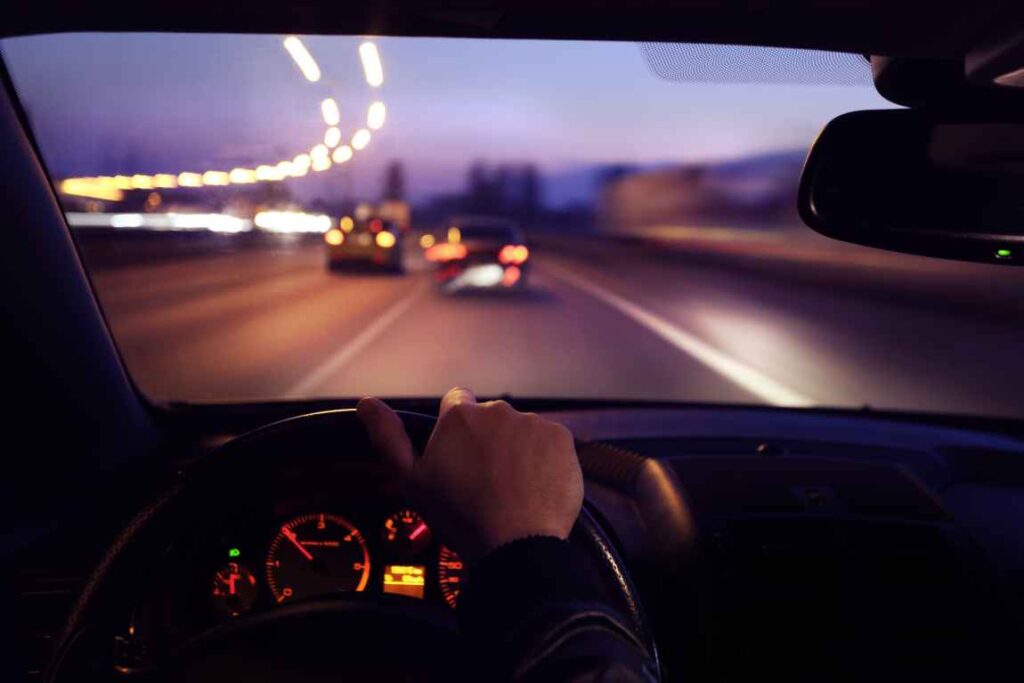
{"points": [[918, 28]]}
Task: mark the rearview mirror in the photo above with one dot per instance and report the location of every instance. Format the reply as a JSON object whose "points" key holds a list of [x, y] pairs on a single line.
{"points": [[905, 181]]}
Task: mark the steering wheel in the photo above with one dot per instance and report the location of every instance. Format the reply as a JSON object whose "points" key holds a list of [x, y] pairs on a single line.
{"points": [[330, 637]]}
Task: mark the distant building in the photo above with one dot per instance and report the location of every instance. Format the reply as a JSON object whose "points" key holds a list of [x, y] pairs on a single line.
{"points": [[752, 192]]}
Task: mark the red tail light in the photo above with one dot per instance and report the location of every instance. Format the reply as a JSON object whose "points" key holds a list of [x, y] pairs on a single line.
{"points": [[513, 254], [511, 276], [446, 251]]}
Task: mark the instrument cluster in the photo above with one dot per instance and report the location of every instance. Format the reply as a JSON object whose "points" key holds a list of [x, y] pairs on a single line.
{"points": [[317, 553]]}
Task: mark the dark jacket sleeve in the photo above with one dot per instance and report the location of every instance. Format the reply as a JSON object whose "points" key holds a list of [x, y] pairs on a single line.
{"points": [[530, 612]]}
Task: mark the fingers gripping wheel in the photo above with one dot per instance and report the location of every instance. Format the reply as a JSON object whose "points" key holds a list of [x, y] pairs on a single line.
{"points": [[336, 635]]}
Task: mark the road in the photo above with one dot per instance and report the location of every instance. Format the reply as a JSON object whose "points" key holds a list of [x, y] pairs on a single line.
{"points": [[601, 320]]}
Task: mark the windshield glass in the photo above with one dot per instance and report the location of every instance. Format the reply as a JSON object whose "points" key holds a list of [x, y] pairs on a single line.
{"points": [[278, 217]]}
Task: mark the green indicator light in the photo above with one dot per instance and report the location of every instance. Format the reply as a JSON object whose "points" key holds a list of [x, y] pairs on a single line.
{"points": [[1003, 253], [234, 552]]}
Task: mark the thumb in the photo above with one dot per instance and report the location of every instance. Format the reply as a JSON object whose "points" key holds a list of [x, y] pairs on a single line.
{"points": [[387, 434]]}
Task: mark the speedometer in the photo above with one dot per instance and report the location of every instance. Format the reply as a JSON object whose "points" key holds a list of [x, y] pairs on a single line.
{"points": [[449, 575], [317, 554]]}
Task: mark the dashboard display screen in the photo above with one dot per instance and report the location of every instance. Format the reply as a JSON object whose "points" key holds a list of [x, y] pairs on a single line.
{"points": [[405, 579]]}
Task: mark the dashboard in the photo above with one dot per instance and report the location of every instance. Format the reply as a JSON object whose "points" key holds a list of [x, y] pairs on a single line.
{"points": [[744, 531]]}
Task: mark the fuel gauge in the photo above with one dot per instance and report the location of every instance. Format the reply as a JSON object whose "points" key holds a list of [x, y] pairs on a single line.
{"points": [[234, 589], [406, 534]]}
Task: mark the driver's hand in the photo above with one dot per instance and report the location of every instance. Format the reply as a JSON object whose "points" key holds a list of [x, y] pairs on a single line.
{"points": [[489, 475]]}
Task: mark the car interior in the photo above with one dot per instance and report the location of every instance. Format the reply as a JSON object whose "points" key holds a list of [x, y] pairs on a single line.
{"points": [[155, 537]]}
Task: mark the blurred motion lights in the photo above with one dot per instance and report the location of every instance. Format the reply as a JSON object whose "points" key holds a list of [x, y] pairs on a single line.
{"points": [[361, 139], [242, 175], [265, 172], [292, 221], [214, 222], [111, 188], [371, 64], [300, 165], [427, 241], [165, 180], [385, 240], [375, 115], [342, 154], [334, 237], [346, 223], [89, 187], [216, 178], [307, 65], [321, 163], [190, 179], [329, 109]]}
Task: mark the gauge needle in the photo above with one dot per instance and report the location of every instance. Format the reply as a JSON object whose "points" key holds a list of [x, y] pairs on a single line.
{"points": [[290, 535], [417, 531]]}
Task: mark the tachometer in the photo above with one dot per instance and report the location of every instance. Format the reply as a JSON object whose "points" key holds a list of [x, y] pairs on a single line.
{"points": [[317, 554]]}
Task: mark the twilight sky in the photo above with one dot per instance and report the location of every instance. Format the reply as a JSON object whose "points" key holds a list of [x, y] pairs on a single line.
{"points": [[106, 104]]}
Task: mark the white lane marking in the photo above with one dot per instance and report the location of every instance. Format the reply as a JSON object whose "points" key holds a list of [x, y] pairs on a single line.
{"points": [[734, 370], [320, 374]]}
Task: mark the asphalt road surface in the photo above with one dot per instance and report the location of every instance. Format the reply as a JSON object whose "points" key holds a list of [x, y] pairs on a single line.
{"points": [[600, 319]]}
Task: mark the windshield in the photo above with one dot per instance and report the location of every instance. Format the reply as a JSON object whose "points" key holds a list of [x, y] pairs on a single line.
{"points": [[278, 217]]}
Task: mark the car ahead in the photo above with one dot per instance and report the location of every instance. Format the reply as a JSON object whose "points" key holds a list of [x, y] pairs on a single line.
{"points": [[478, 252], [373, 243]]}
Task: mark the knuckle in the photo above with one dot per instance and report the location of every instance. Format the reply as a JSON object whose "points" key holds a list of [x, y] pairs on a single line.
{"points": [[499, 406], [459, 413]]}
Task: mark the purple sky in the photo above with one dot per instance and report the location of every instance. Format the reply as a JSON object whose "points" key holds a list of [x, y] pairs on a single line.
{"points": [[104, 104]]}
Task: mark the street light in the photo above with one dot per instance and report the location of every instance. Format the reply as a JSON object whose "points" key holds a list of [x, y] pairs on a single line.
{"points": [[361, 139], [307, 65], [375, 115], [371, 64]]}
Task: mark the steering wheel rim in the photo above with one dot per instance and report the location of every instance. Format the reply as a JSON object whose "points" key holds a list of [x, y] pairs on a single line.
{"points": [[154, 525]]}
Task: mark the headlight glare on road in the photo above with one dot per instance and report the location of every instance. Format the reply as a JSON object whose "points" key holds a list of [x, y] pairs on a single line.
{"points": [[489, 275], [385, 240]]}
